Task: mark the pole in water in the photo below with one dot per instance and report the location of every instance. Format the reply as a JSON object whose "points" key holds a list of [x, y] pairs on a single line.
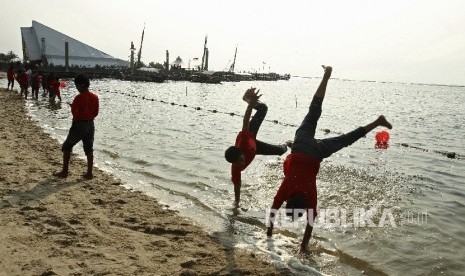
{"points": [[186, 90], [295, 97]]}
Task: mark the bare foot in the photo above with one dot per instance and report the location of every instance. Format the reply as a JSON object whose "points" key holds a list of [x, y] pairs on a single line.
{"points": [[88, 176], [284, 147], [383, 122], [290, 143], [61, 174], [328, 70]]}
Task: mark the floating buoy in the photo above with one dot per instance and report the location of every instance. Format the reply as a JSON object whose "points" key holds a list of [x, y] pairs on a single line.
{"points": [[382, 136], [62, 84], [382, 139]]}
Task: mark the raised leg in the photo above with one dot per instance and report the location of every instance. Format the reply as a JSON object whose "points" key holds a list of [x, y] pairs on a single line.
{"points": [[268, 149], [326, 147], [306, 132], [258, 117]]}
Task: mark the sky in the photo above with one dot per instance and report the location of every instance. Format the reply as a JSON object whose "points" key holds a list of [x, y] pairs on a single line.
{"points": [[419, 41]]}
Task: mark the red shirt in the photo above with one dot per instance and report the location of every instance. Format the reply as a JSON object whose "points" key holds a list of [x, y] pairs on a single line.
{"points": [[246, 142], [23, 80], [37, 79], [10, 74], [49, 82], [300, 172], [85, 106], [56, 87]]}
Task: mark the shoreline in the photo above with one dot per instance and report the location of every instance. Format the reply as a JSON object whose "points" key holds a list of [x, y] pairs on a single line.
{"points": [[52, 226]]}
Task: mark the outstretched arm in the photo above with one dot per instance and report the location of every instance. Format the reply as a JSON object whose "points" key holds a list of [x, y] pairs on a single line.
{"points": [[237, 192], [251, 97], [269, 229], [277, 202], [306, 238]]}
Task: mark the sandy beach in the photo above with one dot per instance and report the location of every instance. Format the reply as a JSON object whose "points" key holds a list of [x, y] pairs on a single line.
{"points": [[52, 226]]}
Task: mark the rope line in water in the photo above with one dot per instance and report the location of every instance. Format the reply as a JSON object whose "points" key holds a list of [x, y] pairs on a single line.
{"points": [[448, 154]]}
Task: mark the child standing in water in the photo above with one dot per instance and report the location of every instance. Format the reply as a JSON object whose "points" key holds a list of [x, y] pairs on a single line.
{"points": [[55, 89], [247, 146], [301, 166]]}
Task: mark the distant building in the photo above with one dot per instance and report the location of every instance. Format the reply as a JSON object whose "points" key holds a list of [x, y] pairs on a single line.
{"points": [[42, 43]]}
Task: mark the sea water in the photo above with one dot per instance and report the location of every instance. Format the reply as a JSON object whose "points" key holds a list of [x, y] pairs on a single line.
{"points": [[392, 211]]}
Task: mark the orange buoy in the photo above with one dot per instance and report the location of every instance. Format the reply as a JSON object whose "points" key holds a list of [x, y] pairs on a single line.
{"points": [[382, 139]]}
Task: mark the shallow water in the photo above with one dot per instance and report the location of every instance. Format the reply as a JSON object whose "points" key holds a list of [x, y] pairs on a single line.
{"points": [[168, 140]]}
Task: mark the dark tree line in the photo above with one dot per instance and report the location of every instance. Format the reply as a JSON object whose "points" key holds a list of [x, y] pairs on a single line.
{"points": [[8, 57]]}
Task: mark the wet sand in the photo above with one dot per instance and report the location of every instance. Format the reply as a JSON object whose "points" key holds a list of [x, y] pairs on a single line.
{"points": [[52, 226]]}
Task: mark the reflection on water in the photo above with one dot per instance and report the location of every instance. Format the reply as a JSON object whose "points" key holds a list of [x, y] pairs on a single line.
{"points": [[168, 140]]}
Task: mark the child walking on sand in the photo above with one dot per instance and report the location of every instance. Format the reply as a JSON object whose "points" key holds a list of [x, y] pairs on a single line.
{"points": [[10, 75], [23, 81]]}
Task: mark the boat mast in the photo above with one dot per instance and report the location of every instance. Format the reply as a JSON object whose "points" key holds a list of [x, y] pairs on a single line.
{"points": [[140, 49], [207, 53], [132, 57], [231, 69], [204, 57]]}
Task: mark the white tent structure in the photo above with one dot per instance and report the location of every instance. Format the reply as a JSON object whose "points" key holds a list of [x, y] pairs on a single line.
{"points": [[42, 43]]}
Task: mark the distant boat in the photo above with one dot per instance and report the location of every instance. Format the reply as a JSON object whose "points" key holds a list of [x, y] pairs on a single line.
{"points": [[270, 76], [206, 77], [147, 74]]}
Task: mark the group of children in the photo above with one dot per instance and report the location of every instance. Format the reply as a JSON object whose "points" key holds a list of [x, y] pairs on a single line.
{"points": [[301, 166], [84, 108], [50, 84]]}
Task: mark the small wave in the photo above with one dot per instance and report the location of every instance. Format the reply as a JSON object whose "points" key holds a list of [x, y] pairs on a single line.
{"points": [[149, 174], [112, 154], [352, 261], [192, 198], [141, 162]]}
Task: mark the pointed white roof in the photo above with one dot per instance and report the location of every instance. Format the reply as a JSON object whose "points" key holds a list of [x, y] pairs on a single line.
{"points": [[40, 38]]}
